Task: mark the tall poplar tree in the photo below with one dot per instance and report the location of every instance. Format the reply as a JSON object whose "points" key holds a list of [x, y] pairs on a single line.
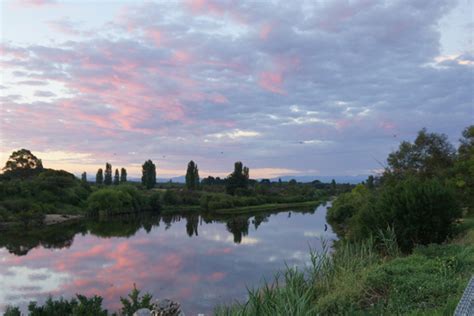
{"points": [[123, 175], [116, 177], [108, 174], [192, 176], [84, 177], [149, 174], [99, 178]]}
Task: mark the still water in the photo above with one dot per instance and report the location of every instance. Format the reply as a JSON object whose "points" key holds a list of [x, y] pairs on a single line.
{"points": [[200, 261]]}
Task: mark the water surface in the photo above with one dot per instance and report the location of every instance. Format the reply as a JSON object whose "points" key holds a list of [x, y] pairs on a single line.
{"points": [[200, 261]]}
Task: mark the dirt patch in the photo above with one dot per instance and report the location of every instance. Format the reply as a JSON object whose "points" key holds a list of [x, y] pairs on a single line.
{"points": [[52, 219]]}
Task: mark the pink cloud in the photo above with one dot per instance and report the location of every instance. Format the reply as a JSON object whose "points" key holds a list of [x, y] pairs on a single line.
{"points": [[271, 81], [155, 36], [35, 3], [218, 98], [265, 30], [216, 276]]}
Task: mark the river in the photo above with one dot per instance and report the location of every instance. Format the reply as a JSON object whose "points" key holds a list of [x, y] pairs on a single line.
{"points": [[200, 261]]}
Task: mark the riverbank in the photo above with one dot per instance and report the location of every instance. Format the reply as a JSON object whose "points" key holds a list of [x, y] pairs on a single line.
{"points": [[267, 207], [357, 279]]}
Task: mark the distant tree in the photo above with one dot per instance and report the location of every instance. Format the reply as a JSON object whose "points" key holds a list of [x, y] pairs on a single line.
{"points": [[99, 178], [370, 182], [108, 174], [84, 177], [116, 177], [429, 155], [238, 179], [149, 174], [22, 163], [192, 176], [333, 186], [123, 175]]}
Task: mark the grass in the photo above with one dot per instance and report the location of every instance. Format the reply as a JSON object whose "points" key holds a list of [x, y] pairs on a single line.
{"points": [[356, 279]]}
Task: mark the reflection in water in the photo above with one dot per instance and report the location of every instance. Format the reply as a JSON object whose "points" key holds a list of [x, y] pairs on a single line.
{"points": [[106, 256]]}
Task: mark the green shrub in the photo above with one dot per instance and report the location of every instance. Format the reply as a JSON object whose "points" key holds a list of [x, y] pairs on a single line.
{"points": [[170, 197], [419, 211], [110, 201], [82, 306], [12, 311], [154, 202], [134, 302]]}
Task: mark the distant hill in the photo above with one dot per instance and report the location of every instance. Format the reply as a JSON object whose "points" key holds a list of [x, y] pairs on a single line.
{"points": [[324, 179]]}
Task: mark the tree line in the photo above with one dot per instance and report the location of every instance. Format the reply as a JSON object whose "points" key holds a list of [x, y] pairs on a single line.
{"points": [[238, 180]]}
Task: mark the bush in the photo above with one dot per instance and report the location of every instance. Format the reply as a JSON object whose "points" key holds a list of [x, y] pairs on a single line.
{"points": [[134, 302], [82, 306], [110, 201], [346, 206], [154, 202], [419, 211], [170, 197]]}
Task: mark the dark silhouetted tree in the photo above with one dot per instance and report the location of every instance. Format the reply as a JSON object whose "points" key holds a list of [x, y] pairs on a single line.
{"points": [[149, 174], [238, 179], [116, 177], [123, 175], [84, 177], [108, 174], [23, 163], [192, 176], [370, 182], [99, 178], [430, 154]]}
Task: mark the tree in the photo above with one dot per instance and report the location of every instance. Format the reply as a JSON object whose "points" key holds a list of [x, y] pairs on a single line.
{"points": [[462, 173], [108, 174], [149, 174], [23, 163], [192, 176], [116, 177], [370, 182], [333, 186], [99, 178], [84, 177], [466, 149], [237, 179], [123, 175], [429, 155]]}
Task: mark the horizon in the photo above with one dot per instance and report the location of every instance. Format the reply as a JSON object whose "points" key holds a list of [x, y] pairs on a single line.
{"points": [[301, 89]]}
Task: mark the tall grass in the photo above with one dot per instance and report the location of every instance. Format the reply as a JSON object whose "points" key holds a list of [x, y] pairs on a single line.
{"points": [[372, 277], [295, 291]]}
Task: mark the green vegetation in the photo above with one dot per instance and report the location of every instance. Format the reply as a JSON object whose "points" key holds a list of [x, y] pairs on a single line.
{"points": [[28, 192], [84, 306], [149, 174], [192, 176], [364, 279], [405, 249]]}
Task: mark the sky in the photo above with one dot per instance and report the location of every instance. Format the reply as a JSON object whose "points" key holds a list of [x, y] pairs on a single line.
{"points": [[286, 87]]}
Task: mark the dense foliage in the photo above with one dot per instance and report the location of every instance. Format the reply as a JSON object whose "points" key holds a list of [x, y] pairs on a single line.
{"points": [[84, 306], [192, 176], [50, 191], [419, 196], [149, 174]]}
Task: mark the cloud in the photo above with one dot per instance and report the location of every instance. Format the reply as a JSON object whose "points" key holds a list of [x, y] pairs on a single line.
{"points": [[272, 84]]}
